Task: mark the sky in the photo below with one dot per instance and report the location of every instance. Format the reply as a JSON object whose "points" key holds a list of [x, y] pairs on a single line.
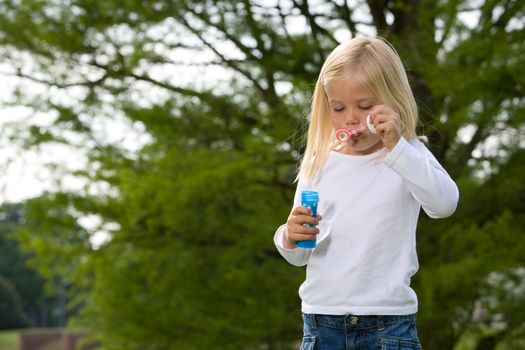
{"points": [[25, 173]]}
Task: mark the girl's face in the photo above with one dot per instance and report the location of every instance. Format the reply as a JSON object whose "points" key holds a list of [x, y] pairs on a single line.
{"points": [[350, 102]]}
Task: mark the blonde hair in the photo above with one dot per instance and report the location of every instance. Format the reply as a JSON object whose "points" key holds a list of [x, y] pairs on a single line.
{"points": [[378, 65]]}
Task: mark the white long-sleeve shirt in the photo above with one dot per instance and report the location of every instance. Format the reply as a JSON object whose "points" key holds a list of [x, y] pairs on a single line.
{"points": [[366, 248]]}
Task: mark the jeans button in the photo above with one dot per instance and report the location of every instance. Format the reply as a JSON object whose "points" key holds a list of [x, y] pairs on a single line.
{"points": [[354, 319]]}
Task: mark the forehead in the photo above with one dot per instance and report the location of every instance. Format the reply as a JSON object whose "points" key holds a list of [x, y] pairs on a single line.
{"points": [[351, 89]]}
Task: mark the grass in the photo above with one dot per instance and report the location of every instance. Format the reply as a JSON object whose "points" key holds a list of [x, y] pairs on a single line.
{"points": [[9, 340]]}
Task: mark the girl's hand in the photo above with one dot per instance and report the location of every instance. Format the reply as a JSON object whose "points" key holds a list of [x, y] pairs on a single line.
{"points": [[387, 124], [296, 231]]}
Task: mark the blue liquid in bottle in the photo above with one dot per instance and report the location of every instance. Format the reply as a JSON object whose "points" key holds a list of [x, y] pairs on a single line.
{"points": [[309, 199]]}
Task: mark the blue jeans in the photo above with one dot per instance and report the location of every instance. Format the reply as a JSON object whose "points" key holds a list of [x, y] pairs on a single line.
{"points": [[350, 332]]}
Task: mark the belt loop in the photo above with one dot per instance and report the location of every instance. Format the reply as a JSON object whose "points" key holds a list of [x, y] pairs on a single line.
{"points": [[313, 320], [380, 323]]}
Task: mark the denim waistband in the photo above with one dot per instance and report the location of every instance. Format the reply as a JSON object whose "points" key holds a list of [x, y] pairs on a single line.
{"points": [[355, 321]]}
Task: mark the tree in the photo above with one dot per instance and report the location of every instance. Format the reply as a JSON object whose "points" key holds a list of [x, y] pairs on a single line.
{"points": [[11, 313], [38, 306], [191, 208]]}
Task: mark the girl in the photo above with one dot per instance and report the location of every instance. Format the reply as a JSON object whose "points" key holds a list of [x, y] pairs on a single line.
{"points": [[357, 291]]}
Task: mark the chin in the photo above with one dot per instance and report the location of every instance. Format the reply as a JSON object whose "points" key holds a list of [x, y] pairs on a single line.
{"points": [[366, 147]]}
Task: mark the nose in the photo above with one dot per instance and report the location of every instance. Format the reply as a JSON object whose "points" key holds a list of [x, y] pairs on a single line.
{"points": [[352, 118]]}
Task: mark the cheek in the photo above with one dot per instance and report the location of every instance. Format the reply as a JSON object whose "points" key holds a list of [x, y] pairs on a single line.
{"points": [[373, 138], [336, 120]]}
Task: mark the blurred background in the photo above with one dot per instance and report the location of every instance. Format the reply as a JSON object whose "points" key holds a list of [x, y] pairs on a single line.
{"points": [[148, 151]]}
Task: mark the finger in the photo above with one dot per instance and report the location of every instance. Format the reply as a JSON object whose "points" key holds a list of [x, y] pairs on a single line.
{"points": [[382, 113], [304, 219], [376, 124], [378, 118], [382, 130], [374, 112], [381, 109], [381, 118], [311, 220], [301, 210], [303, 230], [303, 237]]}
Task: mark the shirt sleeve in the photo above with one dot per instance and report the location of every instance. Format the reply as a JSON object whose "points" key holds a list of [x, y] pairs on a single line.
{"points": [[296, 256], [429, 183]]}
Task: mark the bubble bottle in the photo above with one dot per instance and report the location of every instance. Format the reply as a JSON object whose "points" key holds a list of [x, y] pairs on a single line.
{"points": [[309, 199]]}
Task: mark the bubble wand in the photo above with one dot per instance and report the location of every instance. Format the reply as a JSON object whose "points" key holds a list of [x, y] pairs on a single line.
{"points": [[343, 135]]}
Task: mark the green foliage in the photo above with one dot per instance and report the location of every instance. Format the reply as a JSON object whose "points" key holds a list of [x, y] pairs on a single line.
{"points": [[12, 261], [11, 314], [190, 212], [26, 282]]}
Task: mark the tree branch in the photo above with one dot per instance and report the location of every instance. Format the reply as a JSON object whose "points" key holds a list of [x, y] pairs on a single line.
{"points": [[269, 91], [378, 15], [345, 14], [315, 28], [221, 28], [87, 83], [227, 62], [511, 9]]}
